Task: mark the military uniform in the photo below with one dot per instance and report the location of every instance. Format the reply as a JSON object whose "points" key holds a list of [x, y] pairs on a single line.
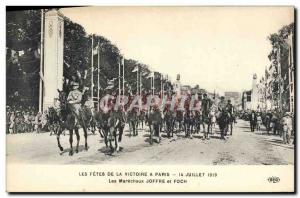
{"points": [[168, 118], [74, 99], [205, 106], [121, 117], [132, 119], [156, 119], [222, 106]]}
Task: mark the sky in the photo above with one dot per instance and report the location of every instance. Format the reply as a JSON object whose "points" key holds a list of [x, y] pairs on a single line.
{"points": [[218, 48]]}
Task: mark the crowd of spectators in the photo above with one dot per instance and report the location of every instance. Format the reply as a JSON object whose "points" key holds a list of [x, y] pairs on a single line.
{"points": [[274, 121], [20, 119]]}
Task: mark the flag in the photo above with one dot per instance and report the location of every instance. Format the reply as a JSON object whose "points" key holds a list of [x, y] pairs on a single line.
{"points": [[36, 54], [21, 53], [85, 74], [95, 51], [150, 75], [14, 56], [66, 64], [135, 69]]}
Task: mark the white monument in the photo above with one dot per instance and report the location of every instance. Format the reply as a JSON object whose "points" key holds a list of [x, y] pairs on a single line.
{"points": [[254, 94], [53, 57], [177, 86]]}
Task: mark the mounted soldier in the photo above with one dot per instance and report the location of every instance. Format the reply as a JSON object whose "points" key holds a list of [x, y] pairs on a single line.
{"points": [[88, 110], [121, 117], [74, 100]]}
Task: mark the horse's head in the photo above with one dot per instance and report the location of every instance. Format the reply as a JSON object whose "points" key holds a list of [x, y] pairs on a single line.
{"points": [[51, 114], [62, 97]]}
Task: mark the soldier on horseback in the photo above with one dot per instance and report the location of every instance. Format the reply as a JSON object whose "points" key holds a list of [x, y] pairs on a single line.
{"points": [[74, 100], [88, 109], [121, 117]]}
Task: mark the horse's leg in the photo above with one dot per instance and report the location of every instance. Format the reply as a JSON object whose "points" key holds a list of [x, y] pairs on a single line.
{"points": [[58, 139], [105, 138], [121, 130], [101, 132], [85, 138], [71, 142], [78, 139]]}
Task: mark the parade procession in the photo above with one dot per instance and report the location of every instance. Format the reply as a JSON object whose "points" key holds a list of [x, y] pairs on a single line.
{"points": [[74, 96]]}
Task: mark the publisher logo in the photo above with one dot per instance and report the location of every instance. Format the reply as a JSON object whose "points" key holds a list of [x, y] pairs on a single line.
{"points": [[273, 179]]}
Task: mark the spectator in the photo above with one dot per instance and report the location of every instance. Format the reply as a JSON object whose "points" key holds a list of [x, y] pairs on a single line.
{"points": [[259, 121], [286, 123], [37, 122], [253, 120]]}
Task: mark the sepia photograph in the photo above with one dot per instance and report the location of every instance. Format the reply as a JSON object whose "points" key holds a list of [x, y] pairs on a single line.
{"points": [[150, 99]]}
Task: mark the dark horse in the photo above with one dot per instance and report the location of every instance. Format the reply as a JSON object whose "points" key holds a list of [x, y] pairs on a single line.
{"points": [[53, 120], [110, 127], [68, 121]]}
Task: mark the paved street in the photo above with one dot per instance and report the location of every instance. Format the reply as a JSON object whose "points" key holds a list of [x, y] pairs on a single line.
{"points": [[243, 148]]}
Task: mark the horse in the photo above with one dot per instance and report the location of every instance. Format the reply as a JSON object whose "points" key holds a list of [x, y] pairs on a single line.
{"points": [[68, 121], [116, 127], [110, 127], [53, 120]]}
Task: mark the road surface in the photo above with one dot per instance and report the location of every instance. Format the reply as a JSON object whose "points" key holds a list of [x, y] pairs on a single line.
{"points": [[242, 148]]}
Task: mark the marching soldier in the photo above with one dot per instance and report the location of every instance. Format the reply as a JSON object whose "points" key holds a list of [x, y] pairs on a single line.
{"points": [[253, 120], [168, 118], [222, 104], [230, 110], [133, 121], [222, 117], [206, 104], [156, 121]]}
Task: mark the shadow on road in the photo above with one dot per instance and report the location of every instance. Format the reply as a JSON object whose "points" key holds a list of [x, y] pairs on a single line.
{"points": [[109, 151], [80, 149]]}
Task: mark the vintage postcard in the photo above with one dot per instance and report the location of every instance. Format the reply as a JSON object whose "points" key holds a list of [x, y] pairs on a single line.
{"points": [[150, 99]]}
